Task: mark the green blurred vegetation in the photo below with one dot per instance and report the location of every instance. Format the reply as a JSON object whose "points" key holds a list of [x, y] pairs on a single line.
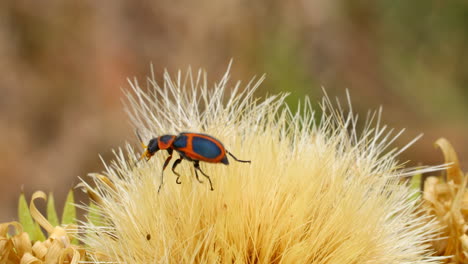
{"points": [[63, 64]]}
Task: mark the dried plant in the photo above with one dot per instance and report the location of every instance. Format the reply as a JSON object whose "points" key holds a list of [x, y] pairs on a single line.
{"points": [[28, 244], [447, 200]]}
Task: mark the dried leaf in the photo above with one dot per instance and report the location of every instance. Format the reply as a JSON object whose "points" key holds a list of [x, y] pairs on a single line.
{"points": [[448, 202], [39, 249], [69, 255], [22, 243], [40, 219], [54, 252], [30, 259], [5, 226], [453, 172]]}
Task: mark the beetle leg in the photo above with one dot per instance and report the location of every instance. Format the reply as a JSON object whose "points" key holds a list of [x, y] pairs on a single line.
{"points": [[196, 164], [238, 160], [196, 176], [173, 169], [196, 173], [164, 167]]}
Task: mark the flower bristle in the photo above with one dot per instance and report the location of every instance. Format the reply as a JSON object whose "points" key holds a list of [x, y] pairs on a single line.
{"points": [[317, 190]]}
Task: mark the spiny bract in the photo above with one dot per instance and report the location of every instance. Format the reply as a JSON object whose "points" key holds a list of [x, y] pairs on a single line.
{"points": [[317, 191]]}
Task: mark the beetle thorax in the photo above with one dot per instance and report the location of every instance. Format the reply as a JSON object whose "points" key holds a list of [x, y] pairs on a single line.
{"points": [[165, 141]]}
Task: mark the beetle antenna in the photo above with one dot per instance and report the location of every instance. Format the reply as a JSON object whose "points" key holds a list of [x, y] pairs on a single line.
{"points": [[238, 160], [145, 147], [139, 139]]}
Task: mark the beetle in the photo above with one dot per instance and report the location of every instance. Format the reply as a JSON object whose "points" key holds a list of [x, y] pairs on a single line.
{"points": [[194, 147]]}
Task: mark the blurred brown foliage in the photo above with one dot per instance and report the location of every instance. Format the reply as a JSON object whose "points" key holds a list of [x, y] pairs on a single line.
{"points": [[63, 63]]}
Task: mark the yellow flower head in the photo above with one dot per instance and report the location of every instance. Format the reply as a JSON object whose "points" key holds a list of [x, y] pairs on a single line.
{"points": [[317, 190]]}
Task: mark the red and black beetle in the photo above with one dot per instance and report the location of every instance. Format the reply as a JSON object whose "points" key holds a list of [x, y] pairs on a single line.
{"points": [[194, 147]]}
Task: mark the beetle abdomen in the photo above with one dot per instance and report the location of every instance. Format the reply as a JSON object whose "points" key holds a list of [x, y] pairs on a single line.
{"points": [[196, 146], [205, 147]]}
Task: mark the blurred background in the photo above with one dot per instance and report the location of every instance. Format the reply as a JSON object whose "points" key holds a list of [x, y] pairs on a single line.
{"points": [[63, 64]]}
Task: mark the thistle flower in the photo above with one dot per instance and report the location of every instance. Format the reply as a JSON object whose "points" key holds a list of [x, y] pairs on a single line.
{"points": [[317, 190]]}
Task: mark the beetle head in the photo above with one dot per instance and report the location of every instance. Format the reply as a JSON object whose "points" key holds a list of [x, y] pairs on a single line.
{"points": [[150, 149]]}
